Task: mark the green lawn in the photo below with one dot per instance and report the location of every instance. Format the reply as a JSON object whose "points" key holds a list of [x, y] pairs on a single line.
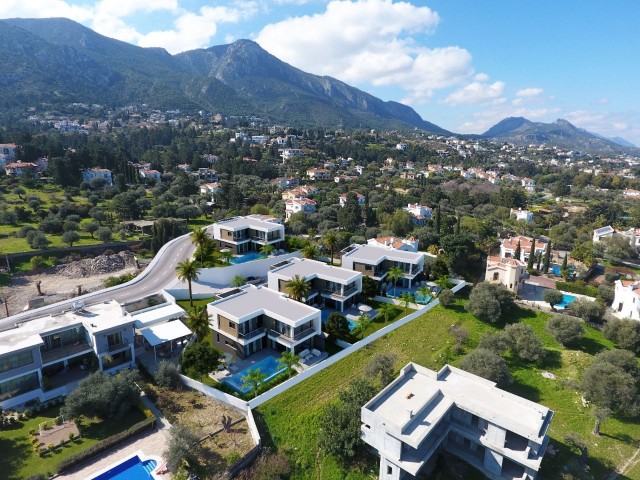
{"points": [[291, 421], [202, 302], [18, 460]]}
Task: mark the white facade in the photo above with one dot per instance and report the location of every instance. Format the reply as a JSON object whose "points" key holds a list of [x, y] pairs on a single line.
{"points": [[407, 244], [420, 213], [375, 262], [423, 412], [331, 286], [509, 246], [319, 174], [626, 302], [297, 205], [522, 215], [506, 271], [250, 233], [102, 173], [343, 199]]}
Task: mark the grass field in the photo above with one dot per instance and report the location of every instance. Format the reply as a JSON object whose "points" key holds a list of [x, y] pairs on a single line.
{"points": [[18, 459], [291, 421]]}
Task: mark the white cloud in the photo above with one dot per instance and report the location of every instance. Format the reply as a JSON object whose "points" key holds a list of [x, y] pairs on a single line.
{"points": [[477, 93], [369, 41], [44, 9], [529, 92]]}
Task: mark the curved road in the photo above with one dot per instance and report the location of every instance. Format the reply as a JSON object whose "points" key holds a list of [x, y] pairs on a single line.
{"points": [[160, 273]]}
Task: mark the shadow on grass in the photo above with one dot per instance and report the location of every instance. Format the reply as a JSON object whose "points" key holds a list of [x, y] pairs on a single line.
{"points": [[99, 430], [527, 391], [591, 346], [15, 452], [551, 360]]}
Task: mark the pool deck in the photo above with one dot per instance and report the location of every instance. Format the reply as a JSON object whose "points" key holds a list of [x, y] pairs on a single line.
{"points": [[240, 364], [532, 296]]}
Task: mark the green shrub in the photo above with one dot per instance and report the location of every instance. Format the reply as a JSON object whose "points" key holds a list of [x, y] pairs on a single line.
{"points": [[118, 280], [107, 443], [578, 288]]}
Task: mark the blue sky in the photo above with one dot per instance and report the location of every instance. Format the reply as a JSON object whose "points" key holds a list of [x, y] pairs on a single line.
{"points": [[463, 65]]}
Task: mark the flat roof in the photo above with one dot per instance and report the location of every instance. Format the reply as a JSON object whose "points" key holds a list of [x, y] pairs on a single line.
{"points": [[253, 300], [101, 316], [166, 332], [420, 387], [372, 253], [312, 268], [250, 221], [158, 314]]}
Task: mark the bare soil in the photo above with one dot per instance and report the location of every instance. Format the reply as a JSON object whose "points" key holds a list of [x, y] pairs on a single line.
{"points": [[55, 286]]}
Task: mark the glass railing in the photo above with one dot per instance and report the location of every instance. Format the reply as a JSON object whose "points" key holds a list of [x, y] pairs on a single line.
{"points": [[62, 352], [252, 333]]}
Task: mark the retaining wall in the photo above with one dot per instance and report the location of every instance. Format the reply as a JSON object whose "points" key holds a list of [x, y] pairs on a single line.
{"points": [[222, 276]]}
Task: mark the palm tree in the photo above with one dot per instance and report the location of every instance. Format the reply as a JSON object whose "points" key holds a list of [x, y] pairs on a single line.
{"points": [[198, 321], [298, 288], [310, 251], [364, 321], [394, 274], [200, 238], [288, 359], [406, 300], [330, 241], [227, 255], [267, 249], [187, 271], [253, 379], [424, 292], [387, 310], [238, 281]]}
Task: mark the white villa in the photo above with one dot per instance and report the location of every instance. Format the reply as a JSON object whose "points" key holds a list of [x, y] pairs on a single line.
{"points": [[509, 246], [509, 272], [249, 233], [251, 318], [331, 286], [420, 213], [423, 412], [104, 173], [397, 243], [626, 302], [521, 215], [375, 262], [300, 204]]}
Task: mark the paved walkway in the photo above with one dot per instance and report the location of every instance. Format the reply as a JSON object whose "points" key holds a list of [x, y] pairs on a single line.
{"points": [[153, 443]]}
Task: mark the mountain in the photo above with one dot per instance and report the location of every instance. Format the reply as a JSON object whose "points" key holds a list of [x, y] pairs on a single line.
{"points": [[561, 133], [622, 142], [59, 61]]}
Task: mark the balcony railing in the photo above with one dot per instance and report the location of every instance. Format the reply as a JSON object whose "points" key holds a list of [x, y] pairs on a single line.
{"points": [[339, 293], [117, 346], [287, 339], [52, 355], [252, 334]]}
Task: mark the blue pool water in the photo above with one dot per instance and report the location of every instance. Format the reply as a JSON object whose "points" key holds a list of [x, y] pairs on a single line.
{"points": [[132, 469], [248, 257], [566, 301], [269, 366], [557, 270], [418, 297]]}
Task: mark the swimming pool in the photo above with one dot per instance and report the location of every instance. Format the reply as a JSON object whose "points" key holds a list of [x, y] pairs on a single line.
{"points": [[248, 257], [566, 301], [130, 469], [269, 366]]}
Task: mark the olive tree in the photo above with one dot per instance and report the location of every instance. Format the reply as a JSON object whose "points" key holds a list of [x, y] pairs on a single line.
{"points": [[588, 310], [523, 342], [487, 364], [552, 297], [565, 330], [624, 332], [490, 302]]}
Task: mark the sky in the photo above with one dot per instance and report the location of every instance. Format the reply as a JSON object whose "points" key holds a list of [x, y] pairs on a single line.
{"points": [[461, 64]]}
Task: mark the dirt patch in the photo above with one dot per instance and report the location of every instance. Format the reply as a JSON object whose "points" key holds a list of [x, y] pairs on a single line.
{"points": [[57, 434], [203, 415], [62, 284]]}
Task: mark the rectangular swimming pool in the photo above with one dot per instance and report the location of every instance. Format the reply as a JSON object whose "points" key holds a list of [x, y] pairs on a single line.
{"points": [[248, 257], [132, 469], [268, 366]]}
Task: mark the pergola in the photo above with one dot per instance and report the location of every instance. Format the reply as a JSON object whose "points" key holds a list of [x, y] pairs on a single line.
{"points": [[166, 332]]}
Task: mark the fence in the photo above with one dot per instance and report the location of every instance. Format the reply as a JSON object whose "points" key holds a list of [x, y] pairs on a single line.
{"points": [[230, 400]]}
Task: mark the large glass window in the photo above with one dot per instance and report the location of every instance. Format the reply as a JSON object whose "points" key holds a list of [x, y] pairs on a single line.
{"points": [[114, 340], [18, 386], [64, 339], [16, 360], [111, 361]]}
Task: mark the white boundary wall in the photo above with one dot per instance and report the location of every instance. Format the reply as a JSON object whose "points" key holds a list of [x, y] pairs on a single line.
{"points": [[217, 394], [222, 276]]}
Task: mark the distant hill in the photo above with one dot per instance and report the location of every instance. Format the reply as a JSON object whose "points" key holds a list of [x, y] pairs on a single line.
{"points": [[59, 61], [561, 133]]}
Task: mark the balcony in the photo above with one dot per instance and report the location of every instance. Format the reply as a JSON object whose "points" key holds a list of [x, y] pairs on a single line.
{"points": [[296, 338], [117, 346], [341, 294], [252, 334], [49, 356]]}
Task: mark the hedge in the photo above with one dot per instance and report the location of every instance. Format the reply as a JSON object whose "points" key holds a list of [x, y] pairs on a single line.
{"points": [[588, 290], [106, 444]]}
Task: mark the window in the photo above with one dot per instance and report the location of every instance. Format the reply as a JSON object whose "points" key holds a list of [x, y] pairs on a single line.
{"points": [[496, 275], [114, 339], [389, 470], [17, 386], [16, 360]]}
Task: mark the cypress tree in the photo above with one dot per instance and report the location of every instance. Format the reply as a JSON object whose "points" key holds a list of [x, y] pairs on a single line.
{"points": [[547, 257], [518, 252], [532, 254], [438, 219]]}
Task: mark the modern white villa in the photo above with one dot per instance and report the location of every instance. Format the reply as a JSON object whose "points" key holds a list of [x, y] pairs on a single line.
{"points": [[331, 286], [376, 261], [45, 357], [249, 233], [246, 320], [423, 412]]}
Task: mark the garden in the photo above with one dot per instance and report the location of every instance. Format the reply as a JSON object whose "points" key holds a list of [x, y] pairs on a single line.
{"points": [[294, 421]]}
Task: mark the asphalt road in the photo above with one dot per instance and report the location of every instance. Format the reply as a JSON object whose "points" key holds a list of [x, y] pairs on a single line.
{"points": [[160, 273]]}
